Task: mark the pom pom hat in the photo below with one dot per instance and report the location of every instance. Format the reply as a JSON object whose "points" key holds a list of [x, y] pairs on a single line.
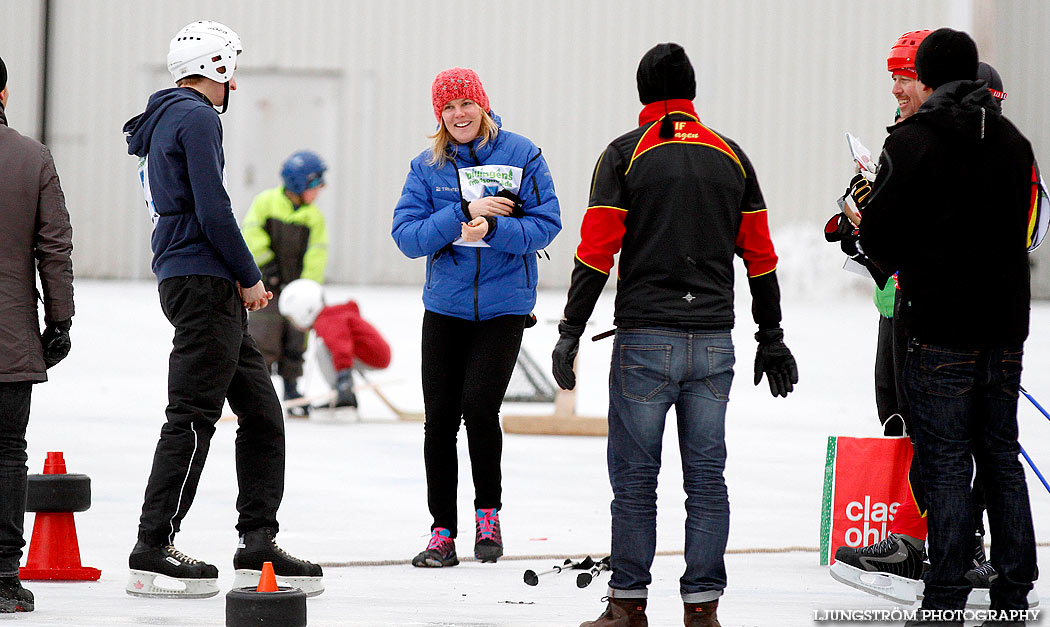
{"points": [[457, 82]]}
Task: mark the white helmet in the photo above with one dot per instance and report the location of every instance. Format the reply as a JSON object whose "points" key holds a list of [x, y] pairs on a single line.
{"points": [[204, 48], [301, 301]]}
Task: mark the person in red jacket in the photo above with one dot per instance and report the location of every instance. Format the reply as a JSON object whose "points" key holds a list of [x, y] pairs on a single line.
{"points": [[348, 339]]}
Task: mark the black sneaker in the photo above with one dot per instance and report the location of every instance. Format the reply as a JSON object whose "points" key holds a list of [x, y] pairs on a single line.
{"points": [[440, 551], [488, 542], [13, 597], [898, 554], [259, 546], [147, 563]]}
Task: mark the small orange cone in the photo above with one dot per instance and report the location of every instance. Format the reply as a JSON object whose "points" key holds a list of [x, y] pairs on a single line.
{"points": [[267, 581]]}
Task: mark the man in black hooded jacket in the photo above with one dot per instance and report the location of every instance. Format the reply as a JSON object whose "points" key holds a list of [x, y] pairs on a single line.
{"points": [[951, 209], [677, 201]]}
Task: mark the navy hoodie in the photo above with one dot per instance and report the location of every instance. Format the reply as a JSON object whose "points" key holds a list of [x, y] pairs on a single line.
{"points": [[194, 230]]}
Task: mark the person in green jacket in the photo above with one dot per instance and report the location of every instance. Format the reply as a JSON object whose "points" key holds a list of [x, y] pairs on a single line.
{"points": [[286, 234]]}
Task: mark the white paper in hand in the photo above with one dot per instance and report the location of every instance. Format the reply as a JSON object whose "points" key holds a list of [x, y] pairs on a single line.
{"points": [[862, 156]]}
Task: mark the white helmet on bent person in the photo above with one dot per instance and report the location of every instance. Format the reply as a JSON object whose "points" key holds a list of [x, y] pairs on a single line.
{"points": [[301, 301], [204, 48]]}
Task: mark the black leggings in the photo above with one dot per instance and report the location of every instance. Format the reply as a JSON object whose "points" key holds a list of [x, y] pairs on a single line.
{"points": [[466, 369]]}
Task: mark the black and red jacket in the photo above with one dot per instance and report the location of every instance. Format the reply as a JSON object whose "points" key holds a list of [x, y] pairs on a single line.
{"points": [[677, 210]]}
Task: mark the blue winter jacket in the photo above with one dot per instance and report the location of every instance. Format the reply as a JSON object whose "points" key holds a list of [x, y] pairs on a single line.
{"points": [[498, 277], [182, 170]]}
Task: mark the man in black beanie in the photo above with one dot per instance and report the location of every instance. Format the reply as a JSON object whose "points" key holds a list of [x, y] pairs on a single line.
{"points": [[951, 210], [677, 201], [35, 241]]}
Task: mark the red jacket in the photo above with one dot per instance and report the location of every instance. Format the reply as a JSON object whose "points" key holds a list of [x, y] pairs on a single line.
{"points": [[348, 337]]}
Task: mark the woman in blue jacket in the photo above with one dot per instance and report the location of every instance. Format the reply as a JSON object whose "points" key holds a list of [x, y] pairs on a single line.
{"points": [[479, 204]]}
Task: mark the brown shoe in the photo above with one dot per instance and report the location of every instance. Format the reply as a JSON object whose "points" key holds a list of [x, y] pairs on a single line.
{"points": [[702, 614], [621, 613]]}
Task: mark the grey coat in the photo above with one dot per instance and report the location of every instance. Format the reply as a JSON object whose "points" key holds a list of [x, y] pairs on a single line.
{"points": [[34, 226]]}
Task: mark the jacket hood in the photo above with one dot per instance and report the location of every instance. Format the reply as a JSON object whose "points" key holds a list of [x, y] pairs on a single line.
{"points": [[962, 107], [139, 130]]}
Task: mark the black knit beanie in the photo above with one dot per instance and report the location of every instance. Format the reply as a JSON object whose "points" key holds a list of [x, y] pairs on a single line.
{"points": [[946, 55], [665, 73], [3, 75]]}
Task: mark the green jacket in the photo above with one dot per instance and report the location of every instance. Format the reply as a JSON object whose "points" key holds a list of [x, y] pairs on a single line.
{"points": [[288, 243]]}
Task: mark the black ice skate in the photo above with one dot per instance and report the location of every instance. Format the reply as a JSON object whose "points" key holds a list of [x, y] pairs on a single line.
{"points": [[196, 579], [981, 578], [891, 569], [13, 597], [256, 547]]}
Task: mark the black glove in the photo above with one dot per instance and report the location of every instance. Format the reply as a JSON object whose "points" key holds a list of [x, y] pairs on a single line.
{"points": [[775, 361], [838, 227], [850, 244], [55, 340], [859, 190], [565, 353], [519, 207]]}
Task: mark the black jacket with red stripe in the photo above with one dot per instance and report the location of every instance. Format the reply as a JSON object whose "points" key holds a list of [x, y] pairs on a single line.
{"points": [[677, 210]]}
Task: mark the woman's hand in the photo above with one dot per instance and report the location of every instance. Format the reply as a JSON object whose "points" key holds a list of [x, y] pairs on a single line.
{"points": [[491, 206], [474, 230]]}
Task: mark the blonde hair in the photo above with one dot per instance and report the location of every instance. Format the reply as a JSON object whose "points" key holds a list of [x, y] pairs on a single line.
{"points": [[440, 150]]}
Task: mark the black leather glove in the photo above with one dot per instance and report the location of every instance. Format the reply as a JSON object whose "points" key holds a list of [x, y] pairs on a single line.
{"points": [[860, 191], [55, 340], [775, 361], [850, 244], [565, 353]]}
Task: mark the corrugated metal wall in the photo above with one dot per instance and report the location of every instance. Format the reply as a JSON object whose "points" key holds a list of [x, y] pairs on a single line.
{"points": [[784, 79]]}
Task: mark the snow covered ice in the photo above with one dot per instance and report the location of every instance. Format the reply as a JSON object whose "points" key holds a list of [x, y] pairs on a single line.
{"points": [[356, 492]]}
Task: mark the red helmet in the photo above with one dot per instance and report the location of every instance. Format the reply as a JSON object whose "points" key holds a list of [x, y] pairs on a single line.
{"points": [[902, 54]]}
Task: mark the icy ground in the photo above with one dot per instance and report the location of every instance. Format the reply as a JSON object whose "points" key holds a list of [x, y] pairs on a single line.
{"points": [[356, 491]]}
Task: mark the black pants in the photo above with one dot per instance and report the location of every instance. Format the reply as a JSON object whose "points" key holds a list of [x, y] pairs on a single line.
{"points": [[14, 416], [278, 340], [213, 358], [466, 369]]}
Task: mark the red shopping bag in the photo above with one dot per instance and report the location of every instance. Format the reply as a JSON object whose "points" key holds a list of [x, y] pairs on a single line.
{"points": [[865, 481]]}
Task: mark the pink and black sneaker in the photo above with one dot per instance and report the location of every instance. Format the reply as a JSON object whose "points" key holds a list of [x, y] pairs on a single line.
{"points": [[440, 552], [488, 544]]}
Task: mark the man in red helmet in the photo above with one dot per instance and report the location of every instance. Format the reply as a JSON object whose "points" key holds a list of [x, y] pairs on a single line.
{"points": [[963, 364]]}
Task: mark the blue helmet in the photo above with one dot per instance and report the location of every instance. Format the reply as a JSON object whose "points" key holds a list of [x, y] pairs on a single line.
{"points": [[303, 170]]}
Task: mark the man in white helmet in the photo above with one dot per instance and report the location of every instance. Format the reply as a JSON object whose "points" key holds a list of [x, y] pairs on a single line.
{"points": [[208, 279]]}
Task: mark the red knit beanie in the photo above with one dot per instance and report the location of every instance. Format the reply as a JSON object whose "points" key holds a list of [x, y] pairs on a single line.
{"points": [[458, 82]]}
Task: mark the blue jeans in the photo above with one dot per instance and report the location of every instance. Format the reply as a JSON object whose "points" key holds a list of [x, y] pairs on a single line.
{"points": [[964, 410], [653, 369]]}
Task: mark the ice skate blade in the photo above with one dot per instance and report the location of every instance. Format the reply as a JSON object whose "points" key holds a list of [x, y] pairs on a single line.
{"points": [[312, 586], [981, 599], [892, 587], [142, 583]]}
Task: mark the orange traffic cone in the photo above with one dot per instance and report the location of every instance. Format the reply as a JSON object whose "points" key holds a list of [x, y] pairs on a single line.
{"points": [[54, 552], [267, 581]]}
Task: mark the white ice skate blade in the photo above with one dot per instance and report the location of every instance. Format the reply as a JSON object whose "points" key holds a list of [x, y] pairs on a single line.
{"points": [[142, 583], [312, 586], [981, 599], [892, 587]]}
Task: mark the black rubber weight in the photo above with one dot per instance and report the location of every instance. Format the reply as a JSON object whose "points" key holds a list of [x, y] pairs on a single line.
{"points": [[245, 607], [58, 493]]}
